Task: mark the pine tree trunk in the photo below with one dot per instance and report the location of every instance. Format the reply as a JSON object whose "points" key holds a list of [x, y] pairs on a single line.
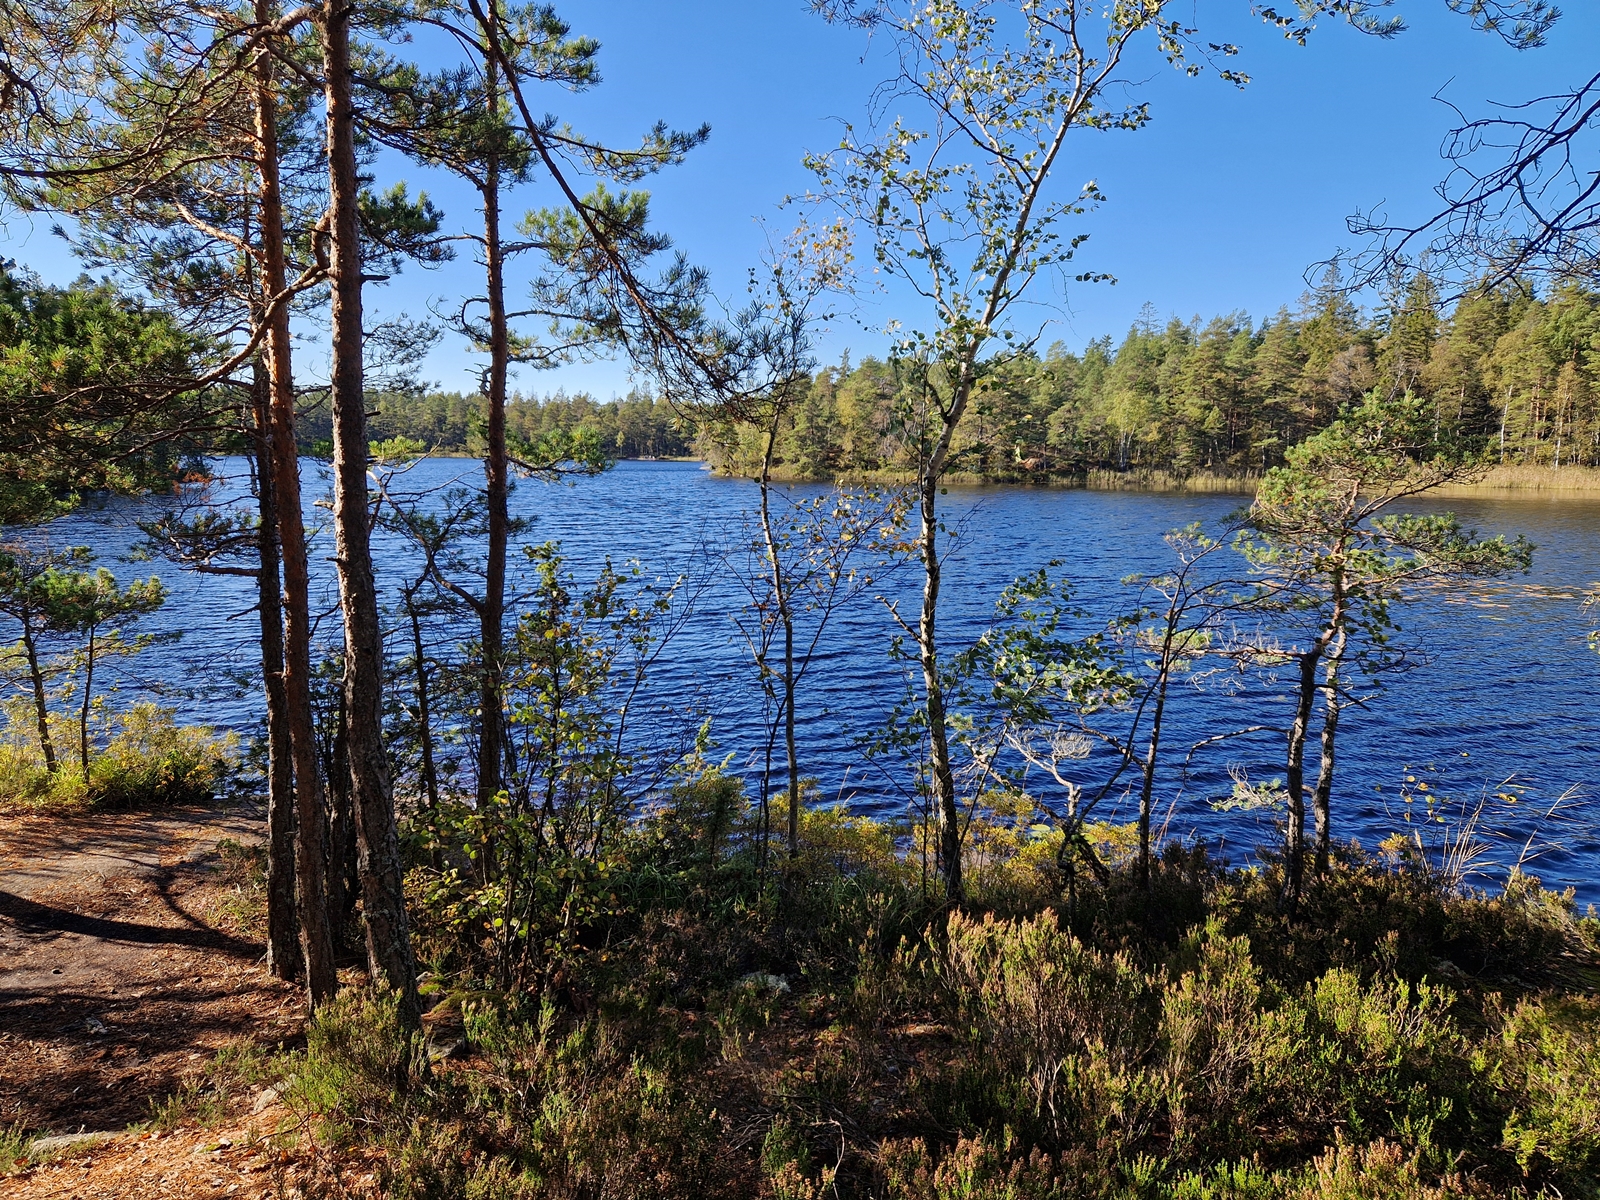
{"points": [[1294, 778], [316, 946], [83, 709], [344, 881], [1322, 797], [283, 950], [41, 709], [389, 955], [496, 477]]}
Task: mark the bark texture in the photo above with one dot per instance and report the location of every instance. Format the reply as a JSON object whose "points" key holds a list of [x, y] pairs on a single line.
{"points": [[388, 936], [283, 950], [311, 901]]}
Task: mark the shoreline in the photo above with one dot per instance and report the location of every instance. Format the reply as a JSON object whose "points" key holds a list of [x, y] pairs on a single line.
{"points": [[1528, 481], [1543, 482]]}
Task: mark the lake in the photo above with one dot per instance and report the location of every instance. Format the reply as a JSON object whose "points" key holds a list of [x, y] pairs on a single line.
{"points": [[1508, 688]]}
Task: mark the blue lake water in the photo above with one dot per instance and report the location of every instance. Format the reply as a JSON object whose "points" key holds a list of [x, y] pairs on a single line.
{"points": [[1507, 688]]}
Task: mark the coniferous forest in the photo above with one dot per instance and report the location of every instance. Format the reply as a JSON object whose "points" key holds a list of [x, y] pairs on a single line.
{"points": [[361, 838], [1511, 371]]}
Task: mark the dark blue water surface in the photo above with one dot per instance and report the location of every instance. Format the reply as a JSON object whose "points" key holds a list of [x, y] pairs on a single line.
{"points": [[1508, 687]]}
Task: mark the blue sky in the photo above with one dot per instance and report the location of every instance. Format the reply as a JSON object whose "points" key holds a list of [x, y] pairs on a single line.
{"points": [[1220, 204]]}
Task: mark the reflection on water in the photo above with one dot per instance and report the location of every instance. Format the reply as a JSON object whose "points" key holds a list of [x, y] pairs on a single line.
{"points": [[1507, 688]]}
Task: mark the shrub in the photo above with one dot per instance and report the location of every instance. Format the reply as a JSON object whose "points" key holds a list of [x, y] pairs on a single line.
{"points": [[1379, 1171], [1546, 1060], [1068, 1026], [359, 1068], [1379, 1059], [576, 1117], [1210, 1033], [148, 761], [975, 1169]]}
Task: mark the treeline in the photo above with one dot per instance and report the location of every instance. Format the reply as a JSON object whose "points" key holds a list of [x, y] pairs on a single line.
{"points": [[635, 426], [1509, 372]]}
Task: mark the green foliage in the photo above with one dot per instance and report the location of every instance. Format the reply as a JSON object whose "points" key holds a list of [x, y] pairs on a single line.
{"points": [[13, 1149], [878, 1048], [572, 1115], [1381, 1170], [148, 760], [975, 1169], [1062, 1029], [1547, 1060], [524, 877], [1515, 378], [95, 389]]}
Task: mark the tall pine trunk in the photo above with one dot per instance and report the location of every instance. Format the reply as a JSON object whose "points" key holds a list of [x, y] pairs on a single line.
{"points": [[496, 473], [311, 901], [389, 955], [283, 951]]}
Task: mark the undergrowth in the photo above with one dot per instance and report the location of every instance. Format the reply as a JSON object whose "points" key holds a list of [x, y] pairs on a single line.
{"points": [[139, 758], [699, 1019]]}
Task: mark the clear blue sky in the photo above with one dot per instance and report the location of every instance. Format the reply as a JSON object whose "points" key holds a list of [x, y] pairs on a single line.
{"points": [[1221, 204]]}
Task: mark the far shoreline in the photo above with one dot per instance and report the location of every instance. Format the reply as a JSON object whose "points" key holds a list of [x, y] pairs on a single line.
{"points": [[1543, 482], [1552, 483]]}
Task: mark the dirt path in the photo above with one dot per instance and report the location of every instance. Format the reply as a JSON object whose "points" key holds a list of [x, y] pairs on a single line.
{"points": [[127, 959]]}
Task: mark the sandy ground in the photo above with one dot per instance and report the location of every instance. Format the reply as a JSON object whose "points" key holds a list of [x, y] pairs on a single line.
{"points": [[126, 963]]}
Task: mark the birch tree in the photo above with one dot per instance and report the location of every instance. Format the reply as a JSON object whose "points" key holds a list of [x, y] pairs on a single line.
{"points": [[958, 194]]}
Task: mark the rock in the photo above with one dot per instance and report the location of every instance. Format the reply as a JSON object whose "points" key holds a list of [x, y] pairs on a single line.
{"points": [[440, 1049], [763, 981], [265, 1099]]}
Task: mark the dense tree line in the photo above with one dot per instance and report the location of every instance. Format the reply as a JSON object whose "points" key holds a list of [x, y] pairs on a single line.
{"points": [[635, 426], [1509, 372]]}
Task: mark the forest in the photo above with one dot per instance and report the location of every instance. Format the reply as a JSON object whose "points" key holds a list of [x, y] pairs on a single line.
{"points": [[472, 911], [452, 423], [1507, 370]]}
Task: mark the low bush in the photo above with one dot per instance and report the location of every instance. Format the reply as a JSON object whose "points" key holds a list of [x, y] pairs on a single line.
{"points": [[143, 759], [714, 1018]]}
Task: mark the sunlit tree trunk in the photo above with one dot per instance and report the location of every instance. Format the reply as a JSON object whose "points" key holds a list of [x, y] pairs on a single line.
{"points": [[389, 955], [87, 702], [780, 592], [942, 774], [41, 708], [311, 902], [1322, 798], [1294, 777]]}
